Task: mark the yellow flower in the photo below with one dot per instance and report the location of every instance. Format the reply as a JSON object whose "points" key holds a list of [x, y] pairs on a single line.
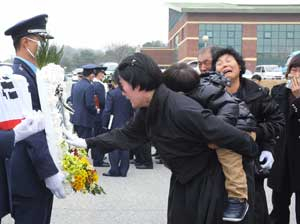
{"points": [[80, 174]]}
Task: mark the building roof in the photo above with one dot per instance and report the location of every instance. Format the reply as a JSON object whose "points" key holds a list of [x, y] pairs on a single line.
{"points": [[237, 7]]}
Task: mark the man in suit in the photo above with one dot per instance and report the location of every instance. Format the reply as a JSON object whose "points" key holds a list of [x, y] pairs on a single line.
{"points": [[82, 98], [120, 108], [32, 174], [8, 138], [100, 93]]}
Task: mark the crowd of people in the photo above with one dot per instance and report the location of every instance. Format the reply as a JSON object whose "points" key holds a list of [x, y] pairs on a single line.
{"points": [[220, 134]]}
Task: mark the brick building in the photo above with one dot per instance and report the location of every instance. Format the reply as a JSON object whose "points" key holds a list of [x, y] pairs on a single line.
{"points": [[263, 34]]}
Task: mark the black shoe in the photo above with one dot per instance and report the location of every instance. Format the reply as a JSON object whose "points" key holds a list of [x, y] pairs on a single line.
{"points": [[235, 210], [108, 174], [144, 166], [104, 164]]}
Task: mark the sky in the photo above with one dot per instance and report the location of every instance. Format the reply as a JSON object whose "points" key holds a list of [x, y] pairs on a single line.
{"points": [[96, 24], [90, 23]]}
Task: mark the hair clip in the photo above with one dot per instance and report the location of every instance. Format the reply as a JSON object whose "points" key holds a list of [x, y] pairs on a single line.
{"points": [[133, 61]]}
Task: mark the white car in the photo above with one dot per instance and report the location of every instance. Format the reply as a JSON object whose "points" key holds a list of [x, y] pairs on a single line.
{"points": [[248, 74], [269, 71], [110, 67]]}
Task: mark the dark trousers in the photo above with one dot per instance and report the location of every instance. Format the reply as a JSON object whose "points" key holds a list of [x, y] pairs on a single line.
{"points": [[260, 207], [27, 210], [97, 156], [119, 162], [281, 201], [83, 132], [143, 155]]}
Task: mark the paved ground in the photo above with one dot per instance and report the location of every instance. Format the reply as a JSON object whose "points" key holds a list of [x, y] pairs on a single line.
{"points": [[141, 197]]}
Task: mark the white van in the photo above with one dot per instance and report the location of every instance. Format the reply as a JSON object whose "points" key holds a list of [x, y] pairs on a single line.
{"points": [[269, 71]]}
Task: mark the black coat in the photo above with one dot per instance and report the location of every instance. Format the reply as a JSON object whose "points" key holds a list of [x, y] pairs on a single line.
{"points": [[180, 129], [270, 123], [287, 153], [270, 120]]}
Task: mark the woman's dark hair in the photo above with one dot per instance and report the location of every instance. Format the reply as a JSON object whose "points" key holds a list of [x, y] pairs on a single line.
{"points": [[181, 78], [295, 62], [139, 70], [239, 59]]}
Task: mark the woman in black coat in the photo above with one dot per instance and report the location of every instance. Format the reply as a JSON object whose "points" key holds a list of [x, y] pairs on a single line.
{"points": [[285, 175], [270, 120], [180, 129]]}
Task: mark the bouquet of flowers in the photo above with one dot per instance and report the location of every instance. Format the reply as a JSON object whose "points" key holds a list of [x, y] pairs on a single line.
{"points": [[81, 175]]}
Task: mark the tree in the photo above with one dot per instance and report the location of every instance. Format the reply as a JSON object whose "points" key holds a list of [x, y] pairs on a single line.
{"points": [[48, 54], [156, 43], [116, 53]]}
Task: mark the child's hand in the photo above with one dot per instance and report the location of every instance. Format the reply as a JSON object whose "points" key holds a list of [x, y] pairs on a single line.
{"points": [[212, 146]]}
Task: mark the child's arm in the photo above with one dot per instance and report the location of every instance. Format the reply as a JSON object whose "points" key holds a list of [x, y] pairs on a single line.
{"points": [[211, 94]]}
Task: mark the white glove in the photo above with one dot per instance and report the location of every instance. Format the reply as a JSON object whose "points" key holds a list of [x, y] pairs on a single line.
{"points": [[74, 140], [269, 160], [29, 126], [55, 184]]}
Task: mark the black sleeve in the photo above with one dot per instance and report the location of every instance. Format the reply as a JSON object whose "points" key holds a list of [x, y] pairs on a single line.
{"points": [[131, 136], [204, 123], [271, 125], [7, 139]]}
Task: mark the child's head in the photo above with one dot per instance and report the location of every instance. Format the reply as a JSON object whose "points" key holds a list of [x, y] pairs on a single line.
{"points": [[181, 78]]}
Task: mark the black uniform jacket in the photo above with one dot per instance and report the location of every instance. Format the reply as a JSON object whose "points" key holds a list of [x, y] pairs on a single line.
{"points": [[30, 162], [6, 147], [287, 150], [180, 129]]}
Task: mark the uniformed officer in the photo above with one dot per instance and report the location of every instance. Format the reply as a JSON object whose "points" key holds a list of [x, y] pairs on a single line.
{"points": [[8, 138], [33, 175], [100, 94], [84, 106], [120, 108]]}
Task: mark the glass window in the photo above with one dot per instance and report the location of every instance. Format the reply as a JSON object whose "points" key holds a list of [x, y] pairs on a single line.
{"points": [[217, 34], [290, 27], [259, 28], [267, 35], [282, 28], [231, 27], [297, 27], [297, 35], [217, 27], [223, 27], [230, 34], [289, 42], [274, 28], [209, 34], [274, 35], [275, 41], [267, 27], [290, 35], [282, 35], [222, 35]]}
